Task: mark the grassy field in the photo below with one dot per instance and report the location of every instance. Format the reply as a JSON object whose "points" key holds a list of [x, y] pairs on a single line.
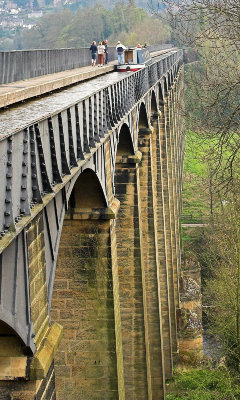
{"points": [[207, 176], [199, 383], [203, 384], [196, 207], [195, 195]]}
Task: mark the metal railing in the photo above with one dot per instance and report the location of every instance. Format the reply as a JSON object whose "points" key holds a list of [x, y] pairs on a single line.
{"points": [[23, 64], [194, 218]]}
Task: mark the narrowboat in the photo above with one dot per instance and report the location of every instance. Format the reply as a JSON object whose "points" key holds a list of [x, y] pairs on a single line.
{"points": [[134, 59]]}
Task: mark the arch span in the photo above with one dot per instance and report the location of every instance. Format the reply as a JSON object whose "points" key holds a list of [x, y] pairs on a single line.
{"points": [[14, 342], [154, 107], [13, 355], [143, 119], [169, 80], [165, 86], [87, 191], [160, 94], [125, 143]]}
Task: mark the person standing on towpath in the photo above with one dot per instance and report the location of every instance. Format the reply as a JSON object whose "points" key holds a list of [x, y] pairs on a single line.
{"points": [[105, 43], [101, 50], [120, 50], [94, 51]]}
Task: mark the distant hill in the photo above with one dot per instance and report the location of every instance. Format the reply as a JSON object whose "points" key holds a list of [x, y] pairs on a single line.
{"points": [[111, 3], [69, 23], [74, 28], [75, 4]]}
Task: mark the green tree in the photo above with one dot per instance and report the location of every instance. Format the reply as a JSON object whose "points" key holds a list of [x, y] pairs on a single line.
{"points": [[47, 31], [35, 4], [17, 43], [123, 22]]}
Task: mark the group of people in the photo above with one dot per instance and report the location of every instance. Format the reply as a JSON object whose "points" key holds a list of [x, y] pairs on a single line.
{"points": [[99, 53]]}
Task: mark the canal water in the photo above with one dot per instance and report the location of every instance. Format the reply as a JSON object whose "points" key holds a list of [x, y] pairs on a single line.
{"points": [[18, 117]]}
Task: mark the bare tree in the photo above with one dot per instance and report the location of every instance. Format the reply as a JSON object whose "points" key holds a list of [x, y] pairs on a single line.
{"points": [[199, 20], [212, 29], [222, 289]]}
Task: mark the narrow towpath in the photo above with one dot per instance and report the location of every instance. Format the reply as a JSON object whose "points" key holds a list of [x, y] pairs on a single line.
{"points": [[194, 225], [15, 92]]}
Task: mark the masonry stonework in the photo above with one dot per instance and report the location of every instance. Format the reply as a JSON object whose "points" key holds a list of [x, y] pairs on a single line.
{"points": [[85, 363]]}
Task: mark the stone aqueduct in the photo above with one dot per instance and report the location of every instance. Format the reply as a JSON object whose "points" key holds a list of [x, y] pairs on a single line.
{"points": [[90, 247]]}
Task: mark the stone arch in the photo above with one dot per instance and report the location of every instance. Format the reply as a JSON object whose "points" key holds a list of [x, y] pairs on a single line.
{"points": [[154, 107], [87, 192], [125, 143], [176, 66], [160, 94], [174, 71], [7, 328], [179, 64], [10, 338], [169, 80], [165, 86], [12, 346], [143, 118]]}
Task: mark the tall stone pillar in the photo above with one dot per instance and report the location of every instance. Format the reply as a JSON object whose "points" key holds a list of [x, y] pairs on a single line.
{"points": [[86, 302], [170, 134], [151, 266], [190, 321], [176, 170], [164, 265], [131, 285], [167, 203]]}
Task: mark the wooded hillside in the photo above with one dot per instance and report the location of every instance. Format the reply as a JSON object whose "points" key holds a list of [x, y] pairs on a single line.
{"points": [[124, 22]]}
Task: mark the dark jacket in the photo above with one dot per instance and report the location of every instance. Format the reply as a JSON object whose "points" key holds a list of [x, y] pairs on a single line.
{"points": [[93, 48], [120, 48], [106, 47]]}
